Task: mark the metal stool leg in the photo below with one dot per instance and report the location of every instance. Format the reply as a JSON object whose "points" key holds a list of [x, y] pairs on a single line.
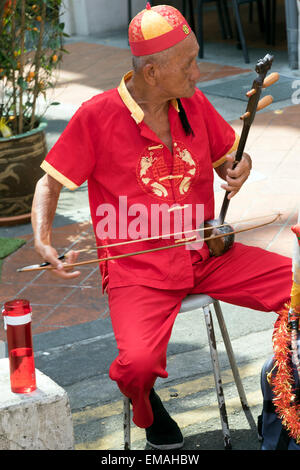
{"points": [[227, 19], [233, 364], [217, 376], [126, 423], [240, 31], [221, 19]]}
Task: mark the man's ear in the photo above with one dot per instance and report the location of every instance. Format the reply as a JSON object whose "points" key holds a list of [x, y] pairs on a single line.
{"points": [[150, 72]]}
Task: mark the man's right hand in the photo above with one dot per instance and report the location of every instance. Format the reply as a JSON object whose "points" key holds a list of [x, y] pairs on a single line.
{"points": [[48, 253], [44, 205]]}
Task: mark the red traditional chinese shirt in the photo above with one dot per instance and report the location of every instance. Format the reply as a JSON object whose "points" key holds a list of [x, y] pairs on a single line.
{"points": [[133, 178]]}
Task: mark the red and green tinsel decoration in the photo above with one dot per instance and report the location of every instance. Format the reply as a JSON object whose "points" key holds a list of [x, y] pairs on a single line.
{"points": [[285, 335]]}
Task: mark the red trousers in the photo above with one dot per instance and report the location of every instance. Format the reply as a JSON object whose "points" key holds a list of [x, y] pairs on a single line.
{"points": [[143, 317]]}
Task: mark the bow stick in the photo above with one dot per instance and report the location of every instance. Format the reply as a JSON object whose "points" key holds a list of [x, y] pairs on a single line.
{"points": [[254, 104], [128, 242], [47, 266], [159, 237]]}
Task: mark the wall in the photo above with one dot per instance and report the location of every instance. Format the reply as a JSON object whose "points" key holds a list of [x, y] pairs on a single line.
{"points": [[298, 4], [97, 17], [292, 28]]}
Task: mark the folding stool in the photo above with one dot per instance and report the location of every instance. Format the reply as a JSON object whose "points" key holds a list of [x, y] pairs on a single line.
{"points": [[197, 302]]}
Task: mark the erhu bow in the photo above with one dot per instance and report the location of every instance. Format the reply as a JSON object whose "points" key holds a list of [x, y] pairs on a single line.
{"points": [[47, 266], [220, 245]]}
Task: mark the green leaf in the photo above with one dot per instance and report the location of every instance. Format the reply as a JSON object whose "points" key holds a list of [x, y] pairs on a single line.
{"points": [[64, 50], [22, 83], [55, 103]]}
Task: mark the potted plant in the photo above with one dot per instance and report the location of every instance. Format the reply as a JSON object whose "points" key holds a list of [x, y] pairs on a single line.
{"points": [[31, 48]]}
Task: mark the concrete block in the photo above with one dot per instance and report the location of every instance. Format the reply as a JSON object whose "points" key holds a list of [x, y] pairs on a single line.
{"points": [[2, 349], [40, 420]]}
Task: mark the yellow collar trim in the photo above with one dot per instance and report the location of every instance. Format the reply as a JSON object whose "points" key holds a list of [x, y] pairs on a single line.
{"points": [[136, 111]]}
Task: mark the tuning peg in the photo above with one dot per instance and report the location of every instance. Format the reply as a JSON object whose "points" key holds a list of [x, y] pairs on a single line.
{"points": [[272, 78], [251, 92], [245, 116], [264, 102]]}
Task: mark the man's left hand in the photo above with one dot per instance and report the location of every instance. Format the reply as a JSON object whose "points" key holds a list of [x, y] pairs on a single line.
{"points": [[236, 178]]}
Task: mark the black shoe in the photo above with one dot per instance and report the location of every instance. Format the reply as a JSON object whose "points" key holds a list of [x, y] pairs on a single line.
{"points": [[259, 428], [164, 433]]}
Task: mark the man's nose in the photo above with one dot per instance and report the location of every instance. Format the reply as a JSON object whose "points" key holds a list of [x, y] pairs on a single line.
{"points": [[196, 72]]}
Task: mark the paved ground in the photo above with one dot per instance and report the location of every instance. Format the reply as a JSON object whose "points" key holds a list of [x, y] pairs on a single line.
{"points": [[71, 323]]}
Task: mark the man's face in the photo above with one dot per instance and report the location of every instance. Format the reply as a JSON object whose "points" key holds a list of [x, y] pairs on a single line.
{"points": [[179, 75]]}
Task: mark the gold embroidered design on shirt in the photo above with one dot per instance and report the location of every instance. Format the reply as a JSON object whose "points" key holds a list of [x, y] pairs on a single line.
{"points": [[154, 176]]}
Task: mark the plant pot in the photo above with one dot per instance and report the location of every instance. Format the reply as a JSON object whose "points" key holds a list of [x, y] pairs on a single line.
{"points": [[20, 159]]}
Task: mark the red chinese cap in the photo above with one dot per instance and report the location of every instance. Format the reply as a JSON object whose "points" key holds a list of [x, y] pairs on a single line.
{"points": [[156, 29]]}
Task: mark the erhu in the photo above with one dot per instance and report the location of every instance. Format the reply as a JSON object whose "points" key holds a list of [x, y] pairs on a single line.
{"points": [[220, 245]]}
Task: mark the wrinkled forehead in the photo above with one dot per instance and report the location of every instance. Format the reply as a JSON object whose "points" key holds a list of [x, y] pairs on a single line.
{"points": [[184, 51]]}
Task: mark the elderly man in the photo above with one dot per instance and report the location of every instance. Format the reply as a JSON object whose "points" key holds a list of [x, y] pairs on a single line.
{"points": [[155, 141]]}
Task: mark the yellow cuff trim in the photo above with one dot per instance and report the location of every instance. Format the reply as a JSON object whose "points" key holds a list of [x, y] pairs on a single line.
{"points": [[219, 162], [58, 176], [232, 149]]}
